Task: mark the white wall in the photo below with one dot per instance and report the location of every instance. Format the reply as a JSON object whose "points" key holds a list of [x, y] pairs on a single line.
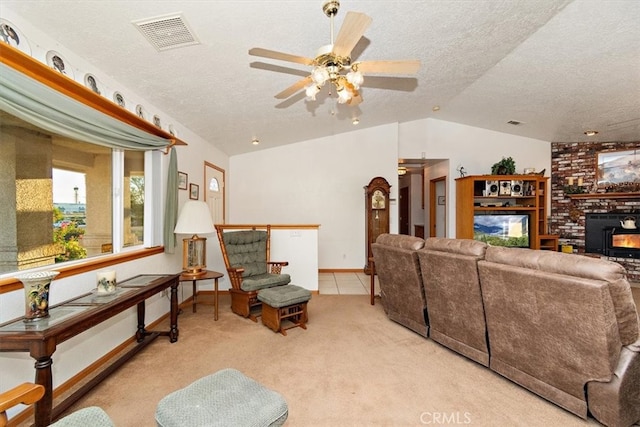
{"points": [[320, 181], [474, 148]]}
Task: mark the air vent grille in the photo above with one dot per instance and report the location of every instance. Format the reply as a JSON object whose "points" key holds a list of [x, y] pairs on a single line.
{"points": [[167, 32]]}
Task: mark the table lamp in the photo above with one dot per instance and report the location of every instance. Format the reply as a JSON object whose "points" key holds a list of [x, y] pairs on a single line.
{"points": [[194, 219]]}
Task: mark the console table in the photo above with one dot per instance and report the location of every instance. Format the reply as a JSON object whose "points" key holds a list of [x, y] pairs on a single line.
{"points": [[75, 316]]}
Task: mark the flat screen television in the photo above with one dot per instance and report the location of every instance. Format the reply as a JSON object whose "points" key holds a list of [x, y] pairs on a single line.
{"points": [[502, 229]]}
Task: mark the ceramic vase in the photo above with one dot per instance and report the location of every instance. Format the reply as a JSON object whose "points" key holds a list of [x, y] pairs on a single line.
{"points": [[36, 294]]}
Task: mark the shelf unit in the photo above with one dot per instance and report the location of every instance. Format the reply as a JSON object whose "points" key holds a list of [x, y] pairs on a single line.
{"points": [[474, 195]]}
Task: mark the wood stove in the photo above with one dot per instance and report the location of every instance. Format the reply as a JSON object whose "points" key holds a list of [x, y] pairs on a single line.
{"points": [[605, 235]]}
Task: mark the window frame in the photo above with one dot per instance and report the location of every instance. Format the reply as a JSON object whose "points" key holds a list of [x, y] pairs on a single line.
{"points": [[152, 244]]}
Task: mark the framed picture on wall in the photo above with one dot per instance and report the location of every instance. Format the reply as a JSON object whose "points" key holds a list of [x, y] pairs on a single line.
{"points": [[616, 167], [194, 191], [182, 181]]}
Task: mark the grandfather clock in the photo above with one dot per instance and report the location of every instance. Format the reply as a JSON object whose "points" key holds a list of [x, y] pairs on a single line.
{"points": [[376, 196]]}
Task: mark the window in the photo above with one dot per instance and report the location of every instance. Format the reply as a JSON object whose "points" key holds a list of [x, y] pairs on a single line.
{"points": [[65, 200]]}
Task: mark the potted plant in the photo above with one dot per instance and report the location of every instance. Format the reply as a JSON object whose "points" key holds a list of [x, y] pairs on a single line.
{"points": [[506, 166]]}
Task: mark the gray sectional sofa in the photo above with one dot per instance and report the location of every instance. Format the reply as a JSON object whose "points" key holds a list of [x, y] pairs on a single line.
{"points": [[564, 326]]}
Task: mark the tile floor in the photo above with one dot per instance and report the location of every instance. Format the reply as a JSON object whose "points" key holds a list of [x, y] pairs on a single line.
{"points": [[346, 284]]}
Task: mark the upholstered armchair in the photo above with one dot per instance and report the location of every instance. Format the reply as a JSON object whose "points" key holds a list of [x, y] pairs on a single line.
{"points": [[246, 253]]}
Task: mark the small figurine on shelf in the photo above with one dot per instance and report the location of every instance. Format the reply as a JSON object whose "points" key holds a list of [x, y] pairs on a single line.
{"points": [[461, 171]]}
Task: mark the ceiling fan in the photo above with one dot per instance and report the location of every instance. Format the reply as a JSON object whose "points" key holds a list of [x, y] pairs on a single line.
{"points": [[332, 62]]}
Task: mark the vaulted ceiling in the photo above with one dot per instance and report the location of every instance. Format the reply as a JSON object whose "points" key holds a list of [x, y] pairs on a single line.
{"points": [[560, 67]]}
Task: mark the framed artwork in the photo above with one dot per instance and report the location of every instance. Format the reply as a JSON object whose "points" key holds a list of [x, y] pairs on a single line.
{"points": [[617, 167], [182, 181], [194, 191]]}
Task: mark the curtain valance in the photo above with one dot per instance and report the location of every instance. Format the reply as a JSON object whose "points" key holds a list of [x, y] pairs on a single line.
{"points": [[38, 104]]}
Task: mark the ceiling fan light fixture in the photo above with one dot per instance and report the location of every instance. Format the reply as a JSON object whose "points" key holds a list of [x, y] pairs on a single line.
{"points": [[343, 95], [355, 78], [311, 92], [320, 75]]}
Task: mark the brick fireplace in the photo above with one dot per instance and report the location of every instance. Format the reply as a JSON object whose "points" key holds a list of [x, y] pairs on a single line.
{"points": [[568, 212]]}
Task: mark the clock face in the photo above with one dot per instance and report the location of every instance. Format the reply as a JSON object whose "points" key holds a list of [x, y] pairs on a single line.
{"points": [[377, 200]]}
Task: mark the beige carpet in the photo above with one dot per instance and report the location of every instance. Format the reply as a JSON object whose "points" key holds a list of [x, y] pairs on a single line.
{"points": [[351, 367]]}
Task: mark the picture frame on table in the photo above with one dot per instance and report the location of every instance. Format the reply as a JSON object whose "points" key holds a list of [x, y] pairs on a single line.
{"points": [[182, 180], [194, 191]]}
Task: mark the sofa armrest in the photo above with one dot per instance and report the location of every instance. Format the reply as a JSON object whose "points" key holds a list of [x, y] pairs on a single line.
{"points": [[617, 402]]}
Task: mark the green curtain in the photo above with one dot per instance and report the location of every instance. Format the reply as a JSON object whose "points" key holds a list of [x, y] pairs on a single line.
{"points": [[38, 104], [171, 205]]}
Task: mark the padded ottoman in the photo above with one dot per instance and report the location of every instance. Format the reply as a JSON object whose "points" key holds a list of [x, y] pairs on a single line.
{"points": [[227, 398], [288, 302]]}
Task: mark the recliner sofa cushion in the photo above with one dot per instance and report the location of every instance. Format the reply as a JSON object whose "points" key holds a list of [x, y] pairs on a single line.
{"points": [[454, 301], [401, 290], [581, 266], [550, 328]]}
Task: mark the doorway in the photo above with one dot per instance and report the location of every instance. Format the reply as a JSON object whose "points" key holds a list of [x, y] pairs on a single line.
{"points": [[404, 211], [438, 207], [214, 185]]}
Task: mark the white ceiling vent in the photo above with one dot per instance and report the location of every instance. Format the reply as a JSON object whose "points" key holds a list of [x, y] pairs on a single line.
{"points": [[167, 32]]}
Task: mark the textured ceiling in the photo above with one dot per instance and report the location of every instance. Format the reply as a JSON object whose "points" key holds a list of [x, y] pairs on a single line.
{"points": [[558, 66]]}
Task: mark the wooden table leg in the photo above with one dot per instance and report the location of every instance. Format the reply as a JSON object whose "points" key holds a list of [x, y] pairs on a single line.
{"points": [[44, 407], [173, 332], [140, 332], [195, 297], [215, 299]]}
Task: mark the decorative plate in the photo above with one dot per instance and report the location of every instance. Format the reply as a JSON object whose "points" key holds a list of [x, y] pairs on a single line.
{"points": [[140, 111], [156, 121], [58, 63], [91, 82], [119, 99], [13, 36]]}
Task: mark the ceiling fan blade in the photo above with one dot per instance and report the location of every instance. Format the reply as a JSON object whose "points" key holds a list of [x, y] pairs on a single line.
{"points": [[353, 28], [266, 53], [297, 86], [387, 67]]}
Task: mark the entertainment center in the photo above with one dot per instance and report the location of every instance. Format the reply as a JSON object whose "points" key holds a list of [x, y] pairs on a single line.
{"points": [[505, 210]]}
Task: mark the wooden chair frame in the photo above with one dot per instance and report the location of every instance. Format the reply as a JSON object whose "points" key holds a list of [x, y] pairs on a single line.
{"points": [[246, 303], [26, 394]]}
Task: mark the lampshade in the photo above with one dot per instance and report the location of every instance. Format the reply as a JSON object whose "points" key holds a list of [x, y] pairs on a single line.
{"points": [[194, 218]]}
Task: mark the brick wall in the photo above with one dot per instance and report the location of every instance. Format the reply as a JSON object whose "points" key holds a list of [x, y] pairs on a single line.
{"points": [[567, 216]]}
